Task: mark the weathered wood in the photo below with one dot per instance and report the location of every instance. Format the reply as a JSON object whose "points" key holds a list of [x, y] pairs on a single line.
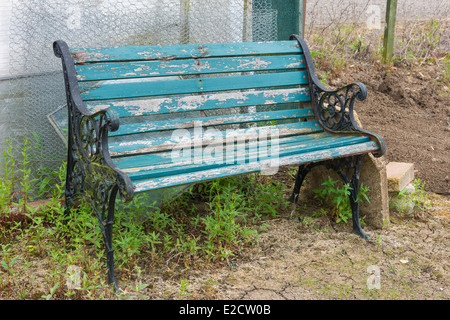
{"points": [[250, 152], [182, 51], [127, 70], [143, 144], [165, 157], [118, 90], [143, 107], [212, 121], [181, 179]]}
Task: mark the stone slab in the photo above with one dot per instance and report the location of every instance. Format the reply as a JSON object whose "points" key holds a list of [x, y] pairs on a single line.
{"points": [[399, 175]]}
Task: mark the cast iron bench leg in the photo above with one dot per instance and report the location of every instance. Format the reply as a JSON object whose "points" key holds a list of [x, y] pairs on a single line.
{"points": [[303, 170], [107, 234], [106, 223], [343, 167], [105, 215], [354, 185], [349, 164]]}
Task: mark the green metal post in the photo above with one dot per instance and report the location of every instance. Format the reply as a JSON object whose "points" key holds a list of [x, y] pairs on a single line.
{"points": [[389, 31], [290, 18]]}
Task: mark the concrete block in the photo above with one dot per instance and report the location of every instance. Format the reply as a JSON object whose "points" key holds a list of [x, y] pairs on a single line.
{"points": [[399, 175]]}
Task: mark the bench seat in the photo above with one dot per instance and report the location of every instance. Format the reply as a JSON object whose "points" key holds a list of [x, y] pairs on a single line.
{"points": [[157, 170]]}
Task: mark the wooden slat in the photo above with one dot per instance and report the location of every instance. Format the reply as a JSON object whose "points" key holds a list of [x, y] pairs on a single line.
{"points": [[212, 101], [211, 121], [126, 70], [138, 170], [143, 145], [165, 157], [169, 87], [181, 179], [183, 51]]}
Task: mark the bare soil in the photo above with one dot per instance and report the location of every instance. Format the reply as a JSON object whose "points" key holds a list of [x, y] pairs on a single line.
{"points": [[411, 110], [322, 260]]}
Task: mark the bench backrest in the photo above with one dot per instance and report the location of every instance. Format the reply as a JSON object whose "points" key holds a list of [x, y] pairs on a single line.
{"points": [[158, 89]]}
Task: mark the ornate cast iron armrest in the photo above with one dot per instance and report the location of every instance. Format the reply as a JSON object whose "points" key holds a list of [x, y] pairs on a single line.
{"points": [[334, 108], [89, 164]]}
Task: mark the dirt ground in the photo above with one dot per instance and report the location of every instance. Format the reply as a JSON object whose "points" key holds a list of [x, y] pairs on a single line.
{"points": [[321, 260], [412, 114], [315, 258]]}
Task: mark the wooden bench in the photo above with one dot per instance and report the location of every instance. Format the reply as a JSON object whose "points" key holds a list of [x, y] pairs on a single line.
{"points": [[179, 104]]}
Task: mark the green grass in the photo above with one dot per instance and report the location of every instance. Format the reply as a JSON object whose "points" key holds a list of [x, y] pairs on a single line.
{"points": [[340, 50], [338, 196], [210, 222], [413, 202]]}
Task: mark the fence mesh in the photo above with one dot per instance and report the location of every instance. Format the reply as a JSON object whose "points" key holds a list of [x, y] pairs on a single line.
{"points": [[34, 87]]}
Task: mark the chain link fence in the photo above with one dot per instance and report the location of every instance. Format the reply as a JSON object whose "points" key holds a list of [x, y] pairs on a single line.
{"points": [[31, 82]]}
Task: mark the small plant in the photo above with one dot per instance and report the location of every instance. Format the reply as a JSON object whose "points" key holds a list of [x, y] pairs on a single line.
{"points": [[52, 292], [307, 222], [324, 77], [379, 241], [358, 45], [339, 197], [321, 213], [267, 197], [16, 183], [44, 184], [182, 292], [8, 179], [292, 172], [412, 202], [8, 264]]}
